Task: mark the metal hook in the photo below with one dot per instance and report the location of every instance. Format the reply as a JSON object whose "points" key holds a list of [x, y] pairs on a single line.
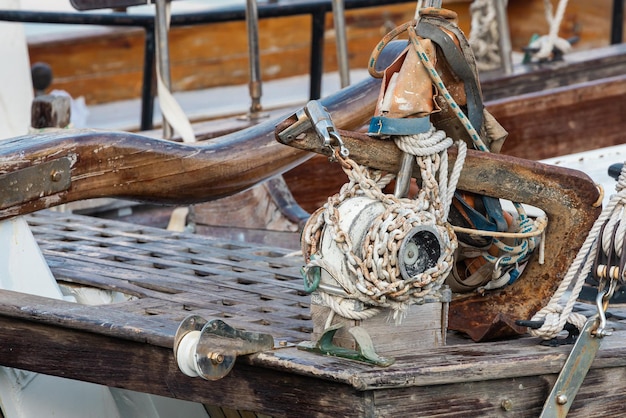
{"points": [[497, 270], [601, 303], [343, 151]]}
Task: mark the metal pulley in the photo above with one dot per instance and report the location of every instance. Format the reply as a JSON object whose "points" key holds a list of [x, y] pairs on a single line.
{"points": [[209, 348]]}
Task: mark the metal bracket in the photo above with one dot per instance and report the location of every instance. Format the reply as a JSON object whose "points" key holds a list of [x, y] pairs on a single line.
{"points": [[35, 182], [209, 348], [365, 353], [315, 116], [574, 371]]}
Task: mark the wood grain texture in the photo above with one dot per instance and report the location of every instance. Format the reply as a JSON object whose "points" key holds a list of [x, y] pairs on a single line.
{"points": [[564, 120], [118, 164], [129, 344], [205, 56], [108, 66], [137, 167]]}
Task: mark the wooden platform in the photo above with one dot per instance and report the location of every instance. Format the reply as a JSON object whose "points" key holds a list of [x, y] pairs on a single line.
{"points": [[171, 275]]}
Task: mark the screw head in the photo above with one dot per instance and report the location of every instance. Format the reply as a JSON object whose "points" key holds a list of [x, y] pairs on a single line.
{"points": [[507, 404], [56, 176], [561, 399]]}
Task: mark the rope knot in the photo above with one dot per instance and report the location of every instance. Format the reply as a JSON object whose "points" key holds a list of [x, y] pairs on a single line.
{"points": [[430, 142]]}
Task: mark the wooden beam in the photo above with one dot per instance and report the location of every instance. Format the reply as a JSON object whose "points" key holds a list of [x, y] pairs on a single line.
{"points": [[567, 197]]}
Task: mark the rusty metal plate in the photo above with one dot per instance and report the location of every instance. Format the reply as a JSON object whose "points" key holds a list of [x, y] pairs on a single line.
{"points": [[35, 182]]}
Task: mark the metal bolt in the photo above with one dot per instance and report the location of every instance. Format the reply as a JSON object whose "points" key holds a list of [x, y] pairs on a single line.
{"points": [[507, 404], [561, 399], [216, 358], [56, 176]]}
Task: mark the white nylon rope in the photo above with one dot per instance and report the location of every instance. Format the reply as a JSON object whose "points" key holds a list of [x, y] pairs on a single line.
{"points": [[548, 42], [526, 224], [484, 36], [554, 315]]}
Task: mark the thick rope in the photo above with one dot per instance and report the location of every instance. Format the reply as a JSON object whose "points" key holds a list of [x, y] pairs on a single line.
{"points": [[554, 315], [484, 36], [547, 43], [535, 227], [526, 224]]}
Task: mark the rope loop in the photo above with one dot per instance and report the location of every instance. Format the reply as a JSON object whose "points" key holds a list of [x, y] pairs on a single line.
{"points": [[394, 33], [545, 45]]}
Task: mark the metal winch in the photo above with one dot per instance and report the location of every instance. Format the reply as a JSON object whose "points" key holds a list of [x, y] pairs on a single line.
{"points": [[419, 250]]}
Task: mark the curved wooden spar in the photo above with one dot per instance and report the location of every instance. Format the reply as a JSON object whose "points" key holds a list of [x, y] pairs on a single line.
{"points": [[45, 170], [567, 196]]}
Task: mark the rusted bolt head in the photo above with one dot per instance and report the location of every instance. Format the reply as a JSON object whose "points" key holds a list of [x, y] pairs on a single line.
{"points": [[56, 176], [507, 404]]}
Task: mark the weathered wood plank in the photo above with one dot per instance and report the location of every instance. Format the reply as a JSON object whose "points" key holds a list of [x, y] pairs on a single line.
{"points": [[563, 120], [147, 368], [519, 397], [129, 345], [287, 392], [175, 275], [576, 67], [452, 364]]}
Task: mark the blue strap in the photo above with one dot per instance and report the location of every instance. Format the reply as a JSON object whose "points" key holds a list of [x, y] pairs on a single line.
{"points": [[478, 220], [493, 208], [381, 125]]}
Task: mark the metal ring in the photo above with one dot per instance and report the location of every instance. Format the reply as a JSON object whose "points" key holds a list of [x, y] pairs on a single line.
{"points": [[311, 285]]}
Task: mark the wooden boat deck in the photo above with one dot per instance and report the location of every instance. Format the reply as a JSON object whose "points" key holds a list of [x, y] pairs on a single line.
{"points": [[171, 275]]}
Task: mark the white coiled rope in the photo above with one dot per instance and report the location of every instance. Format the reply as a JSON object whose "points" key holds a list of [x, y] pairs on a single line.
{"points": [[484, 37]]}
